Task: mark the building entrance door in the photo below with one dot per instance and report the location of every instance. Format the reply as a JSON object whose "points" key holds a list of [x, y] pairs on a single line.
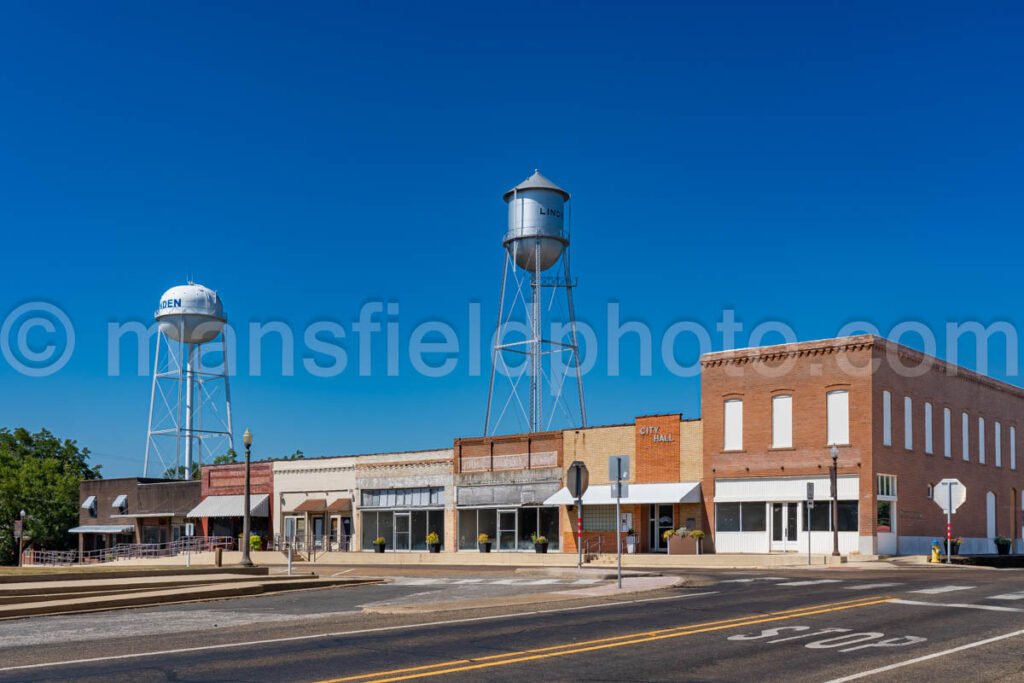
{"points": [[403, 529], [784, 516], [507, 534], [660, 522]]}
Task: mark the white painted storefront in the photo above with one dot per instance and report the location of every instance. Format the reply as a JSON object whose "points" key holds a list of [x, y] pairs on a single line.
{"points": [[768, 514]]}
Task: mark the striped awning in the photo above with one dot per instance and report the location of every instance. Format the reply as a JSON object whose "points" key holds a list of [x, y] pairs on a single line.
{"points": [[232, 506]]}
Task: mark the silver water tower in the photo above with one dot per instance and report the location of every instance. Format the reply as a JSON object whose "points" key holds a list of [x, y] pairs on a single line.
{"points": [[190, 405], [535, 241]]}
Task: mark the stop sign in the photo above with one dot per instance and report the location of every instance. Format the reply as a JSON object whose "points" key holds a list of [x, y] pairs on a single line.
{"points": [[577, 479], [949, 494]]}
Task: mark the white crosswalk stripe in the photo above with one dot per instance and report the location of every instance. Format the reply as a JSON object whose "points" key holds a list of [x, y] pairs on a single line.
{"points": [[810, 583], [1008, 596], [942, 589], [870, 586]]}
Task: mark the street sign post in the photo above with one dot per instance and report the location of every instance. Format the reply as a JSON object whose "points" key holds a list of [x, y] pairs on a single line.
{"points": [[577, 481], [949, 494], [618, 470], [190, 531], [810, 506]]}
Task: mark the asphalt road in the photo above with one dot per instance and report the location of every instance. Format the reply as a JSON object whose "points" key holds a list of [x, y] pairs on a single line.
{"points": [[791, 626]]}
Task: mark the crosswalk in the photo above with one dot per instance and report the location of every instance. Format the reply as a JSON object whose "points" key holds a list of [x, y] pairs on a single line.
{"points": [[436, 581], [895, 587]]}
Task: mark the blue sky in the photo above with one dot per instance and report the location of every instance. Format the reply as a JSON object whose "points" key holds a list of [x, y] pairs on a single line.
{"points": [[810, 163]]}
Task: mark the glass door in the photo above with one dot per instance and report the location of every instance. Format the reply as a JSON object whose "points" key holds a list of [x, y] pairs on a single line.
{"points": [[403, 529], [660, 521], [318, 532], [784, 526], [507, 530]]}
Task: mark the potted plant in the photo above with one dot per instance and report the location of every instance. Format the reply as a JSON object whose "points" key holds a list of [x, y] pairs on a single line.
{"points": [[483, 542], [379, 544], [631, 542], [540, 543], [434, 542], [1003, 545], [697, 535], [954, 545], [667, 536]]}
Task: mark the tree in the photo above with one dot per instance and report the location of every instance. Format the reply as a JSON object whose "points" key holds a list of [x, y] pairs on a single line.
{"points": [[297, 455], [228, 458], [40, 474], [179, 472]]}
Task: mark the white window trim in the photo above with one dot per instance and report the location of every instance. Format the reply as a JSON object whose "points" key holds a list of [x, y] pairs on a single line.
{"points": [[981, 440], [965, 435], [727, 443], [947, 438], [886, 418], [908, 423], [787, 426], [837, 437], [928, 425], [997, 444]]}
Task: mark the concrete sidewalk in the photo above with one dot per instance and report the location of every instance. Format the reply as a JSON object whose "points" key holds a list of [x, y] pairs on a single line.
{"points": [[84, 594]]}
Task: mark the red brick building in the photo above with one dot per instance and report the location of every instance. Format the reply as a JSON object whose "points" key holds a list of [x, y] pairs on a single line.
{"points": [[901, 421], [220, 509]]}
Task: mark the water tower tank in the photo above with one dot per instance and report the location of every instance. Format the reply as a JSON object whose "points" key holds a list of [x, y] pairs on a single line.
{"points": [[191, 313], [536, 210]]}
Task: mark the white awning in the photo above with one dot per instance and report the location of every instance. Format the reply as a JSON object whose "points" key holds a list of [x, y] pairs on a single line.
{"points": [[637, 494], [231, 506], [120, 501], [89, 503], [103, 529]]}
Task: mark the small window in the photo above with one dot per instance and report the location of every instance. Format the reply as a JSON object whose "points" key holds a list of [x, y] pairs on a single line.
{"points": [[121, 502], [928, 429], [734, 425], [886, 485], [838, 408], [886, 418], [908, 423], [981, 440], [997, 444], [782, 422], [965, 431], [930, 493], [947, 436]]}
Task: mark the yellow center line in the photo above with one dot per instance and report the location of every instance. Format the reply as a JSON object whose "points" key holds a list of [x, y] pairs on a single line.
{"points": [[457, 665]]}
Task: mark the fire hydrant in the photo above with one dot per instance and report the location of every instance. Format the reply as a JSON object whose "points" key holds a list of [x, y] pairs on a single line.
{"points": [[935, 552]]}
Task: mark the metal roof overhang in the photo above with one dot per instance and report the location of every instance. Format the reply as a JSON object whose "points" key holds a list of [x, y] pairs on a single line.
{"points": [[340, 505], [637, 494], [231, 506], [103, 529], [311, 505]]}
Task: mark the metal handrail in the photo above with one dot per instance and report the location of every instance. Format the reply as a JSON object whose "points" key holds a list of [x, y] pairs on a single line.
{"points": [[315, 544], [128, 551]]}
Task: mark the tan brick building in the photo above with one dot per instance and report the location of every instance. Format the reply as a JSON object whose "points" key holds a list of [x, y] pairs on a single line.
{"points": [[901, 420]]}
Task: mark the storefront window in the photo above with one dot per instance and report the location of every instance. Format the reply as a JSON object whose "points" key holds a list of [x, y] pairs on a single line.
{"points": [[727, 517], [599, 518], [848, 515], [821, 513], [487, 523], [549, 526], [527, 527], [467, 530], [753, 516]]}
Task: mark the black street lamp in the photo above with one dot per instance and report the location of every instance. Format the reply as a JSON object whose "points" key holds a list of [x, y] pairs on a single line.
{"points": [[834, 476], [246, 560]]}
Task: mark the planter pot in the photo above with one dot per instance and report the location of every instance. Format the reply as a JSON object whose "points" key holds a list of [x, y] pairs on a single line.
{"points": [[484, 547], [435, 547], [379, 548], [1003, 549], [954, 549], [631, 545], [540, 547]]}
